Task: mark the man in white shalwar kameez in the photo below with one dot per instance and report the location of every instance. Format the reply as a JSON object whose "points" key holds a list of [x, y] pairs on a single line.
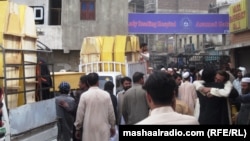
{"points": [[187, 92], [95, 113]]}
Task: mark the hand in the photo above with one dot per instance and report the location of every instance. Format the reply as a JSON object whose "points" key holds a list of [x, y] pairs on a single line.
{"points": [[112, 132], [205, 90], [78, 134], [43, 79], [63, 104], [234, 118], [209, 95]]}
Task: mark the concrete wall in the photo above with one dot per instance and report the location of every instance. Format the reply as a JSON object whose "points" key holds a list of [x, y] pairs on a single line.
{"points": [[66, 39], [220, 2], [111, 19], [183, 6]]}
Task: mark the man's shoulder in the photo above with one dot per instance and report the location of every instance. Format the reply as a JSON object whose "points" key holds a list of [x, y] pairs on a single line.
{"points": [[214, 84], [186, 119], [121, 92], [64, 98], [130, 90]]}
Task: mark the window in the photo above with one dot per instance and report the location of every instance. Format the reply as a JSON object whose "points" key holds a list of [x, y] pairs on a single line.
{"points": [[38, 14], [180, 42], [190, 40], [103, 80], [55, 12], [88, 9]]}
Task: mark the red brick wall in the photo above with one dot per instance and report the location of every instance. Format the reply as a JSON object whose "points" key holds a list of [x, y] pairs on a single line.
{"points": [[240, 37]]}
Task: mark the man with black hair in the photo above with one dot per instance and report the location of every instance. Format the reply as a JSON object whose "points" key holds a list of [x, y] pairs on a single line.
{"points": [[126, 84], [160, 88], [214, 91], [44, 80], [145, 55], [109, 87], [192, 72], [95, 113], [135, 106], [180, 106], [83, 86]]}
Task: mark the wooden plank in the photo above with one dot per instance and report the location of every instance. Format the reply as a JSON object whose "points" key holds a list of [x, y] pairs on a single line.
{"points": [[71, 77]]}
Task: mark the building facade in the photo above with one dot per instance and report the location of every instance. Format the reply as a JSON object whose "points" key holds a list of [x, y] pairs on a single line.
{"points": [[238, 45], [171, 43], [62, 25], [174, 44]]}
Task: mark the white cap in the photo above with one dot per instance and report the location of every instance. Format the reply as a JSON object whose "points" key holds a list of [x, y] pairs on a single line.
{"points": [[170, 69], [245, 79], [242, 68], [163, 69], [200, 72], [185, 75]]}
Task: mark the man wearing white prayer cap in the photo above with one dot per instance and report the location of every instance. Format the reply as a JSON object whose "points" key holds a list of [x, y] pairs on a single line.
{"points": [[200, 72], [245, 80], [243, 70], [244, 112], [185, 75], [187, 91], [163, 69], [170, 71]]}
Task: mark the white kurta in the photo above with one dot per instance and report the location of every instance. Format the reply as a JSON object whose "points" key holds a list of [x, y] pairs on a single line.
{"points": [[187, 93], [95, 114], [166, 115]]}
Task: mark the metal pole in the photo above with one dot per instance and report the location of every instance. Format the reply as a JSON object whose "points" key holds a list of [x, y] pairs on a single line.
{"points": [[176, 40]]}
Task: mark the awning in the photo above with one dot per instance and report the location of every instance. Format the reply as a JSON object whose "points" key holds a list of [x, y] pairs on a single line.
{"points": [[233, 46]]}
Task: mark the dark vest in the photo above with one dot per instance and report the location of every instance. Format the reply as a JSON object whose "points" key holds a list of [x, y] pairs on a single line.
{"points": [[213, 110]]}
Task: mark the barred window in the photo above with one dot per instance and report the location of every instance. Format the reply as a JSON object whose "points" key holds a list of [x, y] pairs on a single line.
{"points": [[88, 9], [55, 12]]}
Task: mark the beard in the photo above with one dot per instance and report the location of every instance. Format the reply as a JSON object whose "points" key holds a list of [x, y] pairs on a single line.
{"points": [[126, 88]]}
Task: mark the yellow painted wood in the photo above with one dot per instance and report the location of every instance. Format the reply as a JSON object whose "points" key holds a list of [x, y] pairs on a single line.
{"points": [[12, 42], [91, 51], [71, 77], [119, 51], [28, 26], [4, 5], [13, 85], [13, 25], [125, 49], [28, 41], [21, 13], [18, 31], [20, 96], [135, 47], [107, 52]]}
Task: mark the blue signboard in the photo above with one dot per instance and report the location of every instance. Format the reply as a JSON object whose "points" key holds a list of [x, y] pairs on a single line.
{"points": [[149, 23]]}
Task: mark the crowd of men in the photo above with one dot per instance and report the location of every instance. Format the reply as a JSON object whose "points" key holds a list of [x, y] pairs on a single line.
{"points": [[165, 97]]}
